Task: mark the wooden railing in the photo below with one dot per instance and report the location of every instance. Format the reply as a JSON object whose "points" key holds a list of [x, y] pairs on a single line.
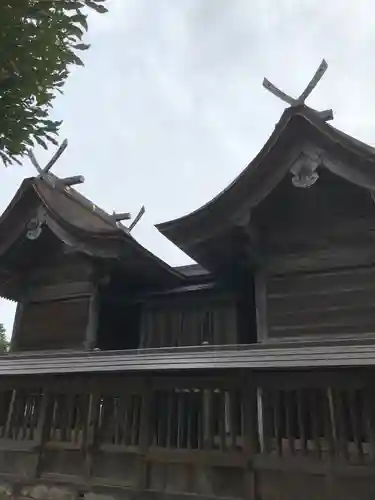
{"points": [[253, 435]]}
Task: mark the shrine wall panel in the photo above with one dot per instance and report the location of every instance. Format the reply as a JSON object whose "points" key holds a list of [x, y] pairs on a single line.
{"points": [[59, 324], [321, 304], [196, 321]]}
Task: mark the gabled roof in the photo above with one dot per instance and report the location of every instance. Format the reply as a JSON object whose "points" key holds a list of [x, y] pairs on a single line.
{"points": [[80, 224], [298, 126]]}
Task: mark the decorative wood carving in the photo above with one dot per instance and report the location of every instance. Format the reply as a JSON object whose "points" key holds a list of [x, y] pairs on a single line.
{"points": [[304, 171], [35, 225]]}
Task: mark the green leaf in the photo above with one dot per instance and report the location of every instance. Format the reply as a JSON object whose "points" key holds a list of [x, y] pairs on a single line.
{"points": [[39, 40], [81, 19], [74, 30], [81, 46], [41, 142], [72, 5], [98, 8], [52, 140], [5, 158], [74, 59], [4, 344]]}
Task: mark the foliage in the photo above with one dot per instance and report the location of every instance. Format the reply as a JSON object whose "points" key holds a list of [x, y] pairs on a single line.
{"points": [[4, 344], [39, 43]]}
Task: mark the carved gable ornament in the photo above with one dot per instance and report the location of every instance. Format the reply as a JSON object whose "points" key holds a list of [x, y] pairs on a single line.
{"points": [[304, 168], [35, 225]]}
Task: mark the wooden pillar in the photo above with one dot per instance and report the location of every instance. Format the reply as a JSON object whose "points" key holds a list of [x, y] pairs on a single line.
{"points": [[16, 326], [261, 305], [92, 323], [145, 432], [90, 441], [251, 438], [43, 429], [208, 428]]}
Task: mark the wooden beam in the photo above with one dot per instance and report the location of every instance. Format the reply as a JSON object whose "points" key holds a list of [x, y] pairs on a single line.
{"points": [[55, 157], [16, 326], [260, 284], [324, 115], [137, 218], [92, 323], [73, 180], [121, 216]]}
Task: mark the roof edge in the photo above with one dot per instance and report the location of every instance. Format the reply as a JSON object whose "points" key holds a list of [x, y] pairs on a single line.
{"points": [[177, 230]]}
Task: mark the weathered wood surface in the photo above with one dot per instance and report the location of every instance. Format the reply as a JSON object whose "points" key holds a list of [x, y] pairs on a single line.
{"points": [[339, 353], [245, 435], [326, 303], [59, 324], [55, 309], [189, 321]]}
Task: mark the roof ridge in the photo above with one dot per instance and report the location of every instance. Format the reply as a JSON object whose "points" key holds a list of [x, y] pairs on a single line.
{"points": [[75, 196]]}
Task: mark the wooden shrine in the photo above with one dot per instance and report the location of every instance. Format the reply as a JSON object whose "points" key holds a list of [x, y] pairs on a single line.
{"points": [[249, 375]]}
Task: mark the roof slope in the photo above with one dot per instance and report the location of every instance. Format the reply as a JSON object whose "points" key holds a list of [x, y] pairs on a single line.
{"points": [[77, 222], [351, 159]]}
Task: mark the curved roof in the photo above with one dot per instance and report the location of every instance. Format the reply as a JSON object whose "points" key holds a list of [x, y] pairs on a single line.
{"points": [[79, 223], [351, 159]]}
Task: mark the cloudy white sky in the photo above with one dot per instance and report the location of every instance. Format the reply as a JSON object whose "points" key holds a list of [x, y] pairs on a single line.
{"points": [[170, 106]]}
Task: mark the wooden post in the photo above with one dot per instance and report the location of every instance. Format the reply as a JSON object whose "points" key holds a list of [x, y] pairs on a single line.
{"points": [[10, 416], [145, 432], [261, 305], [16, 326], [368, 395], [89, 439], [251, 445], [92, 323], [208, 430], [43, 428]]}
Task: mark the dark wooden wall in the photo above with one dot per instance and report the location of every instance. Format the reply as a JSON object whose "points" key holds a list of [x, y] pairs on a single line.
{"points": [[338, 302], [119, 324], [329, 225], [58, 324], [187, 321], [54, 313], [319, 258]]}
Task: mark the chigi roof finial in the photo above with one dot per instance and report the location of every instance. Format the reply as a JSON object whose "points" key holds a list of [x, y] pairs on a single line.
{"points": [[66, 182], [324, 115], [43, 173]]}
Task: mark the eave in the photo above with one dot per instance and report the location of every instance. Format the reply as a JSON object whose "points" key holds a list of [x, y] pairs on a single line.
{"points": [[298, 128], [81, 226], [257, 357]]}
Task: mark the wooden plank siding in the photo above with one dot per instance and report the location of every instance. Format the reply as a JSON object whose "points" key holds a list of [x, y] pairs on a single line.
{"points": [[55, 309], [184, 322], [59, 324], [339, 302]]}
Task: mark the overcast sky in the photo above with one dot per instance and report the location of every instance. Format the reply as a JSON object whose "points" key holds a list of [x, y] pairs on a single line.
{"points": [[170, 106]]}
